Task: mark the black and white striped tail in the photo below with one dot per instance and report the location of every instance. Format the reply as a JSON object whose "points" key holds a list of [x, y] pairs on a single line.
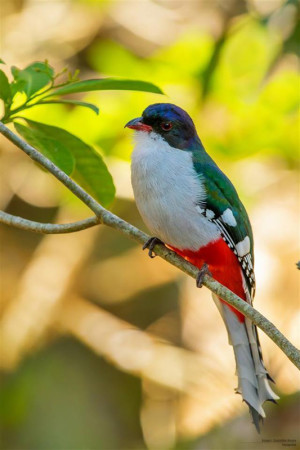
{"points": [[253, 378]]}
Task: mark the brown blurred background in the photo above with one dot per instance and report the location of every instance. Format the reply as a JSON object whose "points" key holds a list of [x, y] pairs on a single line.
{"points": [[101, 347]]}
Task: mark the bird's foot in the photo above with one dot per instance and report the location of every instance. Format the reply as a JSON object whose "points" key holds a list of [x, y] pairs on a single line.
{"points": [[150, 244], [201, 274]]}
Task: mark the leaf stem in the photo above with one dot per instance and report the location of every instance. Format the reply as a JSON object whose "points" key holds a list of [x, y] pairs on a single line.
{"points": [[8, 116]]}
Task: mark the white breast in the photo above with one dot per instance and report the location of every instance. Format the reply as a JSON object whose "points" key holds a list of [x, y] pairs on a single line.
{"points": [[167, 191]]}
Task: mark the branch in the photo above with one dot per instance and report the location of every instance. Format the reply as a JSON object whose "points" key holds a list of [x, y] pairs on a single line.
{"points": [[113, 221], [47, 228]]}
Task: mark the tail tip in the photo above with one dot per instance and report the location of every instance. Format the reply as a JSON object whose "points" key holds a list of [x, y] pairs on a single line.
{"points": [[257, 418]]}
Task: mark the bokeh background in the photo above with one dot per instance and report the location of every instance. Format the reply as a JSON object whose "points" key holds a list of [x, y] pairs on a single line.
{"points": [[101, 347]]}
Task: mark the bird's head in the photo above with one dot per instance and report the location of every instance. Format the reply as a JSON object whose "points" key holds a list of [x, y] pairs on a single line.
{"points": [[170, 122]]}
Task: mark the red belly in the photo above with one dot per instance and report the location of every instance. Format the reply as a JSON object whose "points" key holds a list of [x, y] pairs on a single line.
{"points": [[223, 265]]}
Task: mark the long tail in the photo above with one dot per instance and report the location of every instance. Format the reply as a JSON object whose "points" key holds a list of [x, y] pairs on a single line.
{"points": [[253, 378]]}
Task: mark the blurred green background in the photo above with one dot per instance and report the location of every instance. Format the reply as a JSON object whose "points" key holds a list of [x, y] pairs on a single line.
{"points": [[102, 348]]}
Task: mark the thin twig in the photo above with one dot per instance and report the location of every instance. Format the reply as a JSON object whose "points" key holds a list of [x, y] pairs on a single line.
{"points": [[113, 221], [47, 228]]}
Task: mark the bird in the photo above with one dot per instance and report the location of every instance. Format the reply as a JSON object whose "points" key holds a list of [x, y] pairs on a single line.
{"points": [[192, 207]]}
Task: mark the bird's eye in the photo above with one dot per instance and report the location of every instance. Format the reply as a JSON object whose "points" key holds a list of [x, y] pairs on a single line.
{"points": [[166, 126]]}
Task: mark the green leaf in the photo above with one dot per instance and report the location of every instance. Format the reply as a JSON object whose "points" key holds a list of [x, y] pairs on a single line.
{"points": [[5, 92], [14, 71], [52, 148], [71, 102], [90, 170], [1, 61], [17, 86], [105, 84], [33, 78]]}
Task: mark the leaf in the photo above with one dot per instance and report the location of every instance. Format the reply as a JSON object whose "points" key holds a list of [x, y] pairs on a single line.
{"points": [[53, 149], [90, 170], [5, 92], [14, 71], [1, 61], [71, 102], [33, 78], [17, 86], [104, 84]]}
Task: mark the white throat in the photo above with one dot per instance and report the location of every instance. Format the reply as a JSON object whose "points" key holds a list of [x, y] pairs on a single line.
{"points": [[168, 192]]}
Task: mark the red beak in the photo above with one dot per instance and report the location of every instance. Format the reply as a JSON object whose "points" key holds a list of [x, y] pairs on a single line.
{"points": [[137, 124]]}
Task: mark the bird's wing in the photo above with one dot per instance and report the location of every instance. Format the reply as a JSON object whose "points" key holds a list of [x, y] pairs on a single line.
{"points": [[224, 208]]}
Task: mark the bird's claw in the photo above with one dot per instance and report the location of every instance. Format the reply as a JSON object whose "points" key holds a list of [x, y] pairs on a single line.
{"points": [[201, 274], [150, 244]]}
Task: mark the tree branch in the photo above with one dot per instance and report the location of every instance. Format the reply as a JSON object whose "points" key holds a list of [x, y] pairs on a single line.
{"points": [[47, 228], [106, 217]]}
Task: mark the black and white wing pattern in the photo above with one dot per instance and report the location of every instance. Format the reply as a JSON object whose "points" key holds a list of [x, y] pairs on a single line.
{"points": [[224, 208]]}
